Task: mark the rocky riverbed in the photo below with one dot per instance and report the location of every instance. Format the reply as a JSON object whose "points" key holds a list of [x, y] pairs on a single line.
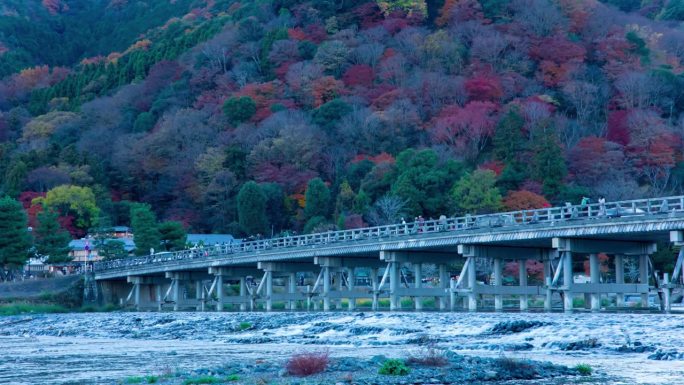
{"points": [[251, 348]]}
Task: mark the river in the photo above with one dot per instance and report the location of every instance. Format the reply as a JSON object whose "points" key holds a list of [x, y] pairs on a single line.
{"points": [[102, 348]]}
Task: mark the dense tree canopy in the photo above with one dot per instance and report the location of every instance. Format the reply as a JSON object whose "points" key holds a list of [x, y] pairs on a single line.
{"points": [[259, 116]]}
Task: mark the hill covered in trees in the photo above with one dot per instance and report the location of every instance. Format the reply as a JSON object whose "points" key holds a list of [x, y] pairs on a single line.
{"points": [[258, 116]]}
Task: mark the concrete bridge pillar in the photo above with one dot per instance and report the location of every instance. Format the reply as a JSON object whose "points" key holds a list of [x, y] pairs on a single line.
{"points": [[418, 276], [619, 278], [199, 295], [351, 281], [158, 297], [548, 277], [568, 281], [177, 295], [243, 293], [643, 277], [374, 284], [292, 289], [522, 272], [219, 293], [443, 284], [498, 282], [269, 290], [395, 302], [326, 288], [472, 285], [594, 275], [667, 305]]}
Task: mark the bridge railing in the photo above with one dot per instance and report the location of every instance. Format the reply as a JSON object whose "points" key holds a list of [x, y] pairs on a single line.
{"points": [[545, 216]]}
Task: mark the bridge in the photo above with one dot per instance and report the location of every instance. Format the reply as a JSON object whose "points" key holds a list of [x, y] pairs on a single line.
{"points": [[386, 267]]}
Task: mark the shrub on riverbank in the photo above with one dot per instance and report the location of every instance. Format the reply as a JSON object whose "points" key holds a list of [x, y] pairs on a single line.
{"points": [[429, 356], [306, 364], [584, 369], [394, 367]]}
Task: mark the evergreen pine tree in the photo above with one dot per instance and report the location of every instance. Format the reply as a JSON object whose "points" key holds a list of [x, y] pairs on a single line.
{"points": [[548, 165], [252, 209], [145, 231], [51, 239], [14, 238], [317, 199], [173, 235]]}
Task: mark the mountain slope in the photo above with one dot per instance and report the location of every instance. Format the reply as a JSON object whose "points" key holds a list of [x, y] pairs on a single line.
{"points": [[347, 113]]}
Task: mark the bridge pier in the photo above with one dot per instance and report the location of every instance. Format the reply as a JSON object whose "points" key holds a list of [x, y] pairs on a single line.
{"points": [[567, 246], [351, 278], [418, 276], [145, 292], [643, 278], [619, 279], [498, 283], [522, 268]]}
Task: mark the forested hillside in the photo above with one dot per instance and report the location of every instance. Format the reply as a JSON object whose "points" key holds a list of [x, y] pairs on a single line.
{"points": [[258, 116]]}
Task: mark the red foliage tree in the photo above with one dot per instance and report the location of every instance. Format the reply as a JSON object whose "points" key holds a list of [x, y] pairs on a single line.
{"points": [[618, 128], [467, 129], [524, 200], [359, 75], [454, 11], [558, 57], [369, 14], [484, 88], [326, 89], [535, 270]]}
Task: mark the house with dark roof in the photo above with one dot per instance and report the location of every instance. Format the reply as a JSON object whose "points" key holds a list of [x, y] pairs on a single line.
{"points": [[211, 239]]}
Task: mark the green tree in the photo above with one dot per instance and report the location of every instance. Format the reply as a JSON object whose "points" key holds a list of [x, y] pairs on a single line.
{"points": [[76, 201], [548, 165], [476, 193], [275, 205], [252, 209], [423, 182], [327, 115], [172, 235], [345, 199], [144, 122], [509, 147], [14, 238], [673, 10], [317, 198], [14, 178], [112, 249], [145, 230], [51, 239], [239, 109]]}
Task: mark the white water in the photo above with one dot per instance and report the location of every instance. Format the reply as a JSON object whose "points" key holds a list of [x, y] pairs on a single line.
{"points": [[102, 348]]}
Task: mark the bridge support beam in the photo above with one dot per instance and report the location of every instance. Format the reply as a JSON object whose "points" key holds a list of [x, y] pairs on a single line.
{"points": [[594, 276], [351, 282], [548, 277], [619, 278], [643, 278], [498, 275], [219, 293], [418, 276], [522, 269], [568, 281], [472, 285]]}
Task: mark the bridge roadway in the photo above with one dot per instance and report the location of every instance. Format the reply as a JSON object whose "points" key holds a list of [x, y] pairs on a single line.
{"points": [[300, 271]]}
